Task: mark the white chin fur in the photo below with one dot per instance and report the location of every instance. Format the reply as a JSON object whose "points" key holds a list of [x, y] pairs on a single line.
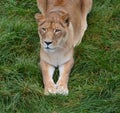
{"points": [[49, 50]]}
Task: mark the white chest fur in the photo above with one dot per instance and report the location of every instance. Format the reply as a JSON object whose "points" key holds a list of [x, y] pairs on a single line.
{"points": [[57, 58]]}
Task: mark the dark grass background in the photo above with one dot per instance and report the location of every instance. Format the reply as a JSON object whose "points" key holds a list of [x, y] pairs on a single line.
{"points": [[95, 79]]}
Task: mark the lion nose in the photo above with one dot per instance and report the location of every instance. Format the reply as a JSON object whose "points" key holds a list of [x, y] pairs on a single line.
{"points": [[47, 43]]}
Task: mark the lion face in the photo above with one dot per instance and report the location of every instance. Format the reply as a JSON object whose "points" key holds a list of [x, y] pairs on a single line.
{"points": [[53, 31]]}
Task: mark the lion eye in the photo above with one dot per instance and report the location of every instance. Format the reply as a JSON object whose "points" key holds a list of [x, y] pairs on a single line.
{"points": [[44, 29], [57, 30]]}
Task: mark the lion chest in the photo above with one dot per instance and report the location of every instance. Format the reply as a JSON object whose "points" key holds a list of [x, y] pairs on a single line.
{"points": [[57, 58]]}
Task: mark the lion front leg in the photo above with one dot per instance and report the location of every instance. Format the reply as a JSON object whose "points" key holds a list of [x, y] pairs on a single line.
{"points": [[62, 83], [47, 72]]}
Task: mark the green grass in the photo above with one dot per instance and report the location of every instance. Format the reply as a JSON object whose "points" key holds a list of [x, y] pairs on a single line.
{"points": [[94, 82]]}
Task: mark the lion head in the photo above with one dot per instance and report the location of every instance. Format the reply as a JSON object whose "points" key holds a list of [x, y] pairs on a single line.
{"points": [[53, 30]]}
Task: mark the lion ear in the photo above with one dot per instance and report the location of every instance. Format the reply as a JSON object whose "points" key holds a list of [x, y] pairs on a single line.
{"points": [[66, 19], [39, 17]]}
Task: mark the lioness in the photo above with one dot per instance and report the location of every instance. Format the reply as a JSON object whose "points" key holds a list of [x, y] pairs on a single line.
{"points": [[61, 26]]}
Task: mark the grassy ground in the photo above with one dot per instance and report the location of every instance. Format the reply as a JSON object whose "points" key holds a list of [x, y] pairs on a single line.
{"points": [[94, 81]]}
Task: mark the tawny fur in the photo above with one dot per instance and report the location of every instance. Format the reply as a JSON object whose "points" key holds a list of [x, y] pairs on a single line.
{"points": [[71, 17]]}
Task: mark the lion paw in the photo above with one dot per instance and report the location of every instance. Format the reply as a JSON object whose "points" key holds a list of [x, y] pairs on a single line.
{"points": [[50, 90], [63, 90]]}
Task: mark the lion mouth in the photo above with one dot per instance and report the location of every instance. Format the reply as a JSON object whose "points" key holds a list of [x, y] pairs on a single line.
{"points": [[49, 49]]}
